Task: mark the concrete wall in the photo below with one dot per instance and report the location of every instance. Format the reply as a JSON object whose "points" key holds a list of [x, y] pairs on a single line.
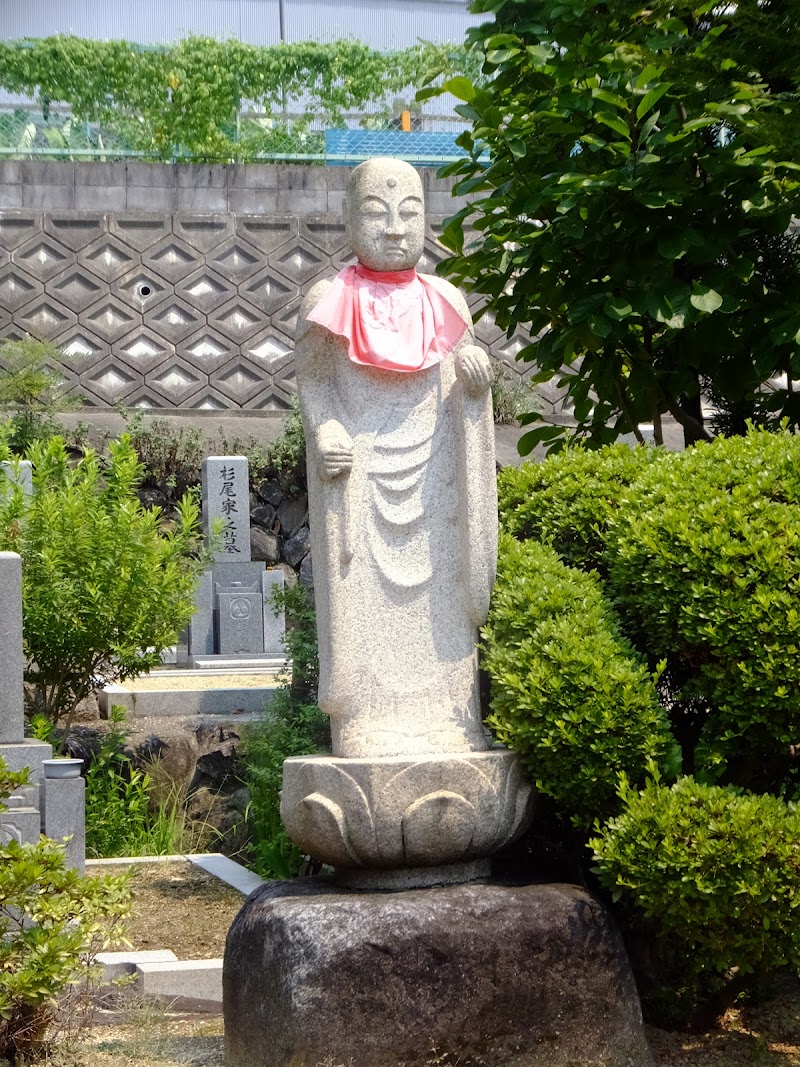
{"points": [[176, 287]]}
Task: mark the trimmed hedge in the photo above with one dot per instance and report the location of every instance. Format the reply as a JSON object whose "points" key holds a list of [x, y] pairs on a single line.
{"points": [[718, 871], [568, 500], [569, 694], [704, 566]]}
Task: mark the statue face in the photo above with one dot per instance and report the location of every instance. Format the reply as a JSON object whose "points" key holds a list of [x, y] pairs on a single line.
{"points": [[385, 215]]}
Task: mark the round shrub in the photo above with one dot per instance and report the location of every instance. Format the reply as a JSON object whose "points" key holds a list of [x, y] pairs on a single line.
{"points": [[569, 499], [718, 872], [569, 694], [704, 557]]}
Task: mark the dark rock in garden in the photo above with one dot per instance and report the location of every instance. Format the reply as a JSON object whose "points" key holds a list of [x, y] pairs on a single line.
{"points": [[84, 743], [218, 816], [271, 492], [153, 498], [289, 575], [216, 770], [296, 548], [264, 547], [491, 975], [264, 515], [170, 761], [306, 574], [292, 514]]}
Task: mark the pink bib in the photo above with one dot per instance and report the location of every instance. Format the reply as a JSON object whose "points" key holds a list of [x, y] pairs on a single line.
{"points": [[394, 320]]}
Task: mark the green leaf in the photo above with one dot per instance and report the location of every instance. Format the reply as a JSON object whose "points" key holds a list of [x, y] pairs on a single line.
{"points": [[461, 88], [705, 299], [614, 122], [651, 98]]}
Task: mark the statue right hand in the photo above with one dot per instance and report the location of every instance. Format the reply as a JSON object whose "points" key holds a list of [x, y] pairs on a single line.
{"points": [[335, 450]]}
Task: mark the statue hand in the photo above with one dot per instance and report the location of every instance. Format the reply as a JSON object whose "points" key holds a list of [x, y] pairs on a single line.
{"points": [[474, 369], [335, 450]]}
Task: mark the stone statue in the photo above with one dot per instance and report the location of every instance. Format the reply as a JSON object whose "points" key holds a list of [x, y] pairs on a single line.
{"points": [[396, 404]]}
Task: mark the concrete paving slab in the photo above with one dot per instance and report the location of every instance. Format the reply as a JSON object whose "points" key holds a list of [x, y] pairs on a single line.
{"points": [[228, 871]]}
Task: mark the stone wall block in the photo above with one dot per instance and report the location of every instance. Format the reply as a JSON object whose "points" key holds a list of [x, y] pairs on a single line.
{"points": [[203, 230], [151, 198], [253, 201], [48, 197], [98, 196], [153, 175], [201, 176], [10, 196]]}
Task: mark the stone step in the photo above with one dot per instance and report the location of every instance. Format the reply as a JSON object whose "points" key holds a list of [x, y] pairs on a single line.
{"points": [[190, 979]]}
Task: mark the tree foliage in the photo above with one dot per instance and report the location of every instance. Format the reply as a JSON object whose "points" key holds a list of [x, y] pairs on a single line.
{"points": [[632, 212], [106, 586], [53, 922], [184, 98]]}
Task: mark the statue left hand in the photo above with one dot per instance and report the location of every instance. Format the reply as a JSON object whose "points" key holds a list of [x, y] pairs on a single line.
{"points": [[474, 369]]}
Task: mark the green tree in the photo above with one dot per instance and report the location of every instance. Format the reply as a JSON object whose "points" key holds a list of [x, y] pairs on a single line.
{"points": [[53, 922], [633, 207], [183, 99], [32, 390], [106, 585]]}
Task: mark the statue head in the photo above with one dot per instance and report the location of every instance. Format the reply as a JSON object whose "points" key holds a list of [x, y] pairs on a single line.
{"points": [[384, 213]]}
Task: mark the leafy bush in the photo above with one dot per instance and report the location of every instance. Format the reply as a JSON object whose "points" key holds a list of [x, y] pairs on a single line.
{"points": [[32, 390], [292, 726], [569, 694], [170, 457], [53, 922], [569, 500], [106, 585], [719, 875], [700, 555], [705, 567]]}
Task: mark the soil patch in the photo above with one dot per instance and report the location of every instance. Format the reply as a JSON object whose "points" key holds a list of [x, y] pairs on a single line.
{"points": [[177, 906], [765, 1033]]}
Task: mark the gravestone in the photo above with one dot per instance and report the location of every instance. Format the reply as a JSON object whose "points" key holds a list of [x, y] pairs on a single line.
{"points": [[241, 622], [226, 497], [233, 615], [22, 819]]}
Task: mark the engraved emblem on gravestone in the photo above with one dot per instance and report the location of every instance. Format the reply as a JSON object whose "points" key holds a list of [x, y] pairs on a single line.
{"points": [[240, 609], [396, 405]]}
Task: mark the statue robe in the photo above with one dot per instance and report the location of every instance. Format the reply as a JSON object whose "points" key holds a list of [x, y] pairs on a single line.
{"points": [[403, 547]]}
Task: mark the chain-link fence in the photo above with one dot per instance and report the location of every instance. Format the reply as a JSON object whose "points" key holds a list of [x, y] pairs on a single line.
{"points": [[30, 132]]}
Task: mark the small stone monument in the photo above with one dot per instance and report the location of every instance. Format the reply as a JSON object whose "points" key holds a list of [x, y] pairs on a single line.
{"points": [[54, 807], [234, 619], [396, 405]]}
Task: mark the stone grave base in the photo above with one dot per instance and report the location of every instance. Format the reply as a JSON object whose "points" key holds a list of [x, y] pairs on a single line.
{"points": [[483, 975]]}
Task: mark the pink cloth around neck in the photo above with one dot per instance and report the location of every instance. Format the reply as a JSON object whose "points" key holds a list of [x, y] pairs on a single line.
{"points": [[394, 320]]}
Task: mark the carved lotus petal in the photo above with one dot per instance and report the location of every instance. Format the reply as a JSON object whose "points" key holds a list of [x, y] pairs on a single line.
{"points": [[437, 828]]}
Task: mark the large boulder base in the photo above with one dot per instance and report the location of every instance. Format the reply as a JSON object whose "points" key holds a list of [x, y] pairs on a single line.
{"points": [[482, 975]]}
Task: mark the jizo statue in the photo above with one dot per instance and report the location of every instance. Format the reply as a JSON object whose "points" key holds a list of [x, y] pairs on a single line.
{"points": [[396, 404]]}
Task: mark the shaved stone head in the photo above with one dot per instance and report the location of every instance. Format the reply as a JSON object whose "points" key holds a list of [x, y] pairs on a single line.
{"points": [[384, 214]]}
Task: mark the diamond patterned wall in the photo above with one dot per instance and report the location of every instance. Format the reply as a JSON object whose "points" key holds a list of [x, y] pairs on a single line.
{"points": [[177, 311]]}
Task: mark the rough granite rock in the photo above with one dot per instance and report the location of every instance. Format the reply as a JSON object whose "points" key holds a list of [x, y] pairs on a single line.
{"points": [[264, 546], [488, 975]]}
